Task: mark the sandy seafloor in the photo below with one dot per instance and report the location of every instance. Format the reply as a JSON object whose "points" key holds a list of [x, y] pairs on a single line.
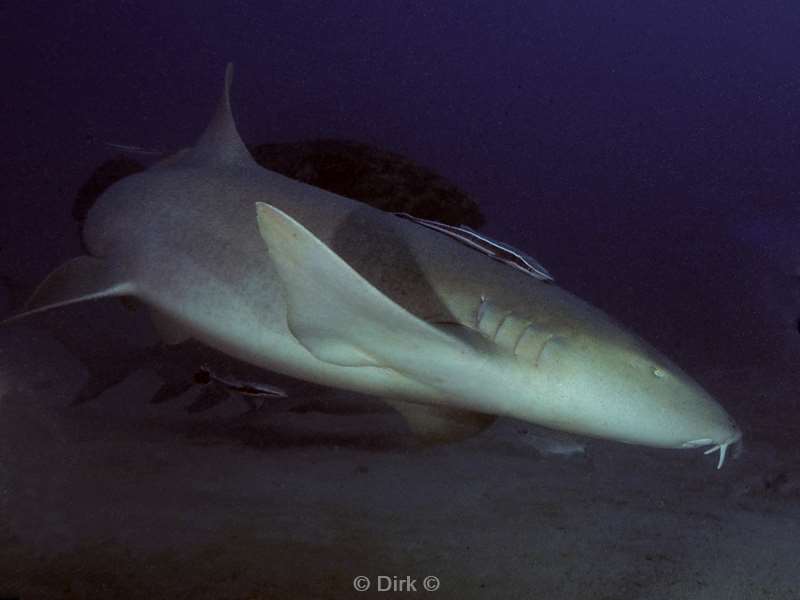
{"points": [[120, 498]]}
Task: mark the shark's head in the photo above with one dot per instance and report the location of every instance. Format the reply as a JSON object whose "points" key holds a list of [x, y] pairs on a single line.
{"points": [[538, 353], [609, 383]]}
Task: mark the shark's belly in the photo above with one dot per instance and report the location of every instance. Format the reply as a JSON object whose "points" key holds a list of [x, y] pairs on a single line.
{"points": [[230, 297]]}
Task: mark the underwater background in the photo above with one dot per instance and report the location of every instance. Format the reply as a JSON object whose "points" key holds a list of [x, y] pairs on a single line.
{"points": [[646, 153]]}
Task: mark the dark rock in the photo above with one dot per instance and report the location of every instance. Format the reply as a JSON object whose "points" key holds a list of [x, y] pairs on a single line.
{"points": [[382, 179]]}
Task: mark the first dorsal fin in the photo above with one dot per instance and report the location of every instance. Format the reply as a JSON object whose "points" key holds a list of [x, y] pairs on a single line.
{"points": [[220, 142]]}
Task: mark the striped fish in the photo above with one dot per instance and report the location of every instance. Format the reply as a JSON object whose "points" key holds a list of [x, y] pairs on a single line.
{"points": [[245, 388], [499, 251]]}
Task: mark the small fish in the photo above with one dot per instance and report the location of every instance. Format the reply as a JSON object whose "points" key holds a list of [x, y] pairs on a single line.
{"points": [[134, 150], [251, 391], [499, 251], [246, 388]]}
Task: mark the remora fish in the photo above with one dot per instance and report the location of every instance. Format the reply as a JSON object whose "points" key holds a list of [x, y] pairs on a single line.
{"points": [[255, 394], [301, 281]]}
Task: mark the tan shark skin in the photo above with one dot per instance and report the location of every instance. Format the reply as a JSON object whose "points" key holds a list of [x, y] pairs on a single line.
{"points": [[185, 237]]}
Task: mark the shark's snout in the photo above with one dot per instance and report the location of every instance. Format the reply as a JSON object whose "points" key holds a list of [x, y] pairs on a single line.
{"points": [[613, 385]]}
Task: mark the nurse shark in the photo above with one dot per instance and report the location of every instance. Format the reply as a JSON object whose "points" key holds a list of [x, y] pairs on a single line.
{"points": [[304, 282]]}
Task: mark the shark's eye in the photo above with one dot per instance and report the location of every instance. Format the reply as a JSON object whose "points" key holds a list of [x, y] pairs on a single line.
{"points": [[659, 372]]}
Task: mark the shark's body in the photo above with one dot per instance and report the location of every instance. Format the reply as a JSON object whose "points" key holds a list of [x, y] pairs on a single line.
{"points": [[326, 289]]}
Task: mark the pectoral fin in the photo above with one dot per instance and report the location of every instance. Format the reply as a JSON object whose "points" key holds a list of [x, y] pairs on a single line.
{"points": [[343, 319], [80, 279], [440, 424]]}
